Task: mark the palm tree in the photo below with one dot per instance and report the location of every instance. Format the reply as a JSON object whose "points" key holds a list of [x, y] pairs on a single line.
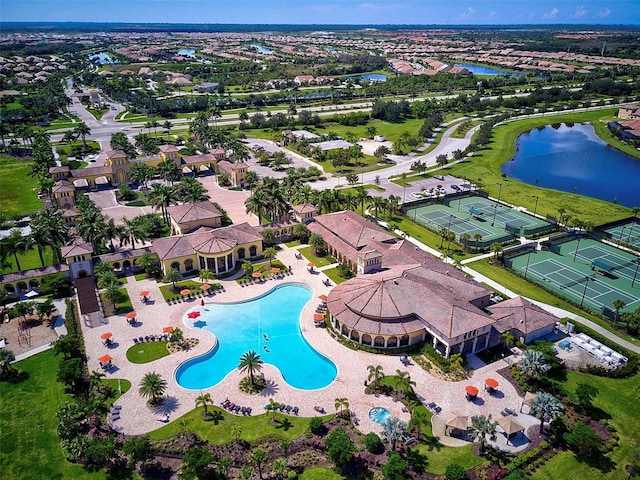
{"points": [[546, 407], [419, 419], [464, 238], [225, 464], [95, 379], [91, 227], [152, 386], [533, 364], [132, 230], [270, 253], [173, 276], [341, 403], [394, 430], [279, 467], [316, 241], [362, 197], [83, 130], [112, 292], [247, 267], [481, 426], [375, 374], [192, 191], [257, 204], [476, 238], [251, 363], [206, 275], [203, 400], [258, 457], [507, 338], [45, 309], [443, 232], [496, 248], [161, 196], [272, 406], [167, 126], [13, 244], [169, 170], [147, 261], [403, 382], [101, 269], [6, 358], [456, 362], [618, 304], [236, 431]]}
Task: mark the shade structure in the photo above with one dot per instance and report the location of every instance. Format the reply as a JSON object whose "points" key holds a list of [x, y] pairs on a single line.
{"points": [[106, 335], [144, 293], [105, 359], [528, 398], [275, 270], [186, 291], [194, 314], [471, 390], [323, 297], [455, 420], [206, 286], [311, 264], [318, 316], [132, 315], [510, 426], [491, 383], [256, 274], [167, 330]]}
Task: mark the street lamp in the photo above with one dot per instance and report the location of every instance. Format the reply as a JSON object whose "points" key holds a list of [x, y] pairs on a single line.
{"points": [[526, 269], [535, 209], [576, 251], [586, 284], [495, 212], [635, 273], [499, 191]]}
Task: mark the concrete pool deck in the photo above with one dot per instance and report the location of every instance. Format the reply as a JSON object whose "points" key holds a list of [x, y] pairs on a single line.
{"points": [[136, 418]]}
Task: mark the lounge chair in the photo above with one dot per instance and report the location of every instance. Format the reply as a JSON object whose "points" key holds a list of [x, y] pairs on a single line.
{"points": [[114, 417], [295, 410], [135, 340], [116, 407]]}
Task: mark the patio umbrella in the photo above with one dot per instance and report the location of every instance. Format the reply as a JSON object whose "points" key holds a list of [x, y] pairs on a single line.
{"points": [[205, 287], [275, 270], [106, 335], [144, 293], [194, 314], [471, 390], [167, 330], [132, 315], [323, 297], [186, 291], [491, 383], [318, 316], [256, 274], [455, 420], [510, 426], [105, 359], [311, 264]]}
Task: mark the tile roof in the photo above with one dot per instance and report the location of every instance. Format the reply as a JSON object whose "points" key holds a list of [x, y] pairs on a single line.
{"points": [[520, 314], [76, 249], [204, 157], [191, 212]]}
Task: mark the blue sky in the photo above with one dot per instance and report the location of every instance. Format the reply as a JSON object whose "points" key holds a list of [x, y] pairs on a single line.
{"points": [[444, 12]]}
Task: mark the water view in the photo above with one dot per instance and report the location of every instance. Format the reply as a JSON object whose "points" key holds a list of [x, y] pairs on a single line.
{"points": [[187, 52], [575, 159], [486, 71], [261, 49], [103, 58], [371, 77]]}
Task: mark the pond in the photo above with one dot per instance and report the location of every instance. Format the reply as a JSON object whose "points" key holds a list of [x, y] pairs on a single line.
{"points": [[187, 52], [103, 58], [481, 70], [371, 77], [574, 159], [261, 49]]}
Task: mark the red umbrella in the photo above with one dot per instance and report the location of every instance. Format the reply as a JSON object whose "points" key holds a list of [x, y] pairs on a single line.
{"points": [[186, 291], [144, 293], [105, 359], [206, 286], [471, 390], [106, 335], [323, 297], [132, 315], [311, 264], [194, 314], [318, 316], [167, 330], [491, 383]]}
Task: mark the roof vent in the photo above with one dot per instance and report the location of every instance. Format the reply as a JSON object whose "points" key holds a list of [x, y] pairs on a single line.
{"points": [[447, 272], [395, 282]]}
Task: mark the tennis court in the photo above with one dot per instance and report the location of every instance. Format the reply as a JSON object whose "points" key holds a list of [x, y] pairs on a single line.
{"points": [[626, 234], [586, 272]]}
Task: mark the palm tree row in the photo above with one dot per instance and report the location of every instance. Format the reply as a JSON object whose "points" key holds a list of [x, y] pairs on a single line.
{"points": [[189, 190]]}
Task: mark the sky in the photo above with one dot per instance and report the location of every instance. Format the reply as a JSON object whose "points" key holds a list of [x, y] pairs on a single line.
{"points": [[381, 12]]}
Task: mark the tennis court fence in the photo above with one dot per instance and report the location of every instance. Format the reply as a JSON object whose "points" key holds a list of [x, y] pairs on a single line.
{"points": [[508, 254]]}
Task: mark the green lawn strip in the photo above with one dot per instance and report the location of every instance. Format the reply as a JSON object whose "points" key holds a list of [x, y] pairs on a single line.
{"points": [[440, 457], [119, 386], [616, 397], [519, 285], [253, 427], [320, 473], [463, 128], [485, 166], [432, 239], [141, 276], [168, 291], [28, 424], [18, 189], [293, 243], [264, 268], [30, 259], [123, 304], [333, 275], [309, 254], [147, 352]]}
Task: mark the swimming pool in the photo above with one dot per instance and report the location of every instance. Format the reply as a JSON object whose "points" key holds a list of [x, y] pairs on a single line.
{"points": [[379, 414], [269, 325]]}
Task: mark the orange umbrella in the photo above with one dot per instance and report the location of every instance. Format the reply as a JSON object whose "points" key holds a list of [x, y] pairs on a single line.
{"points": [[491, 383], [275, 270], [256, 274], [106, 335], [167, 330], [311, 264], [105, 359], [186, 291], [145, 293], [471, 390], [323, 297], [132, 315], [318, 316], [206, 286]]}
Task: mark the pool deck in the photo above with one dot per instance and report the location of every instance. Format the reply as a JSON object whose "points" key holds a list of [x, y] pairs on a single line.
{"points": [[136, 418]]}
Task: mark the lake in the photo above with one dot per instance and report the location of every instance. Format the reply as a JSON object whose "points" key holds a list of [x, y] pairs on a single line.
{"points": [[371, 77], [103, 58], [575, 159], [187, 52], [261, 49], [486, 71]]}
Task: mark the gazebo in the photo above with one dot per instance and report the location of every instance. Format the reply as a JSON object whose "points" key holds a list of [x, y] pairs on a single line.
{"points": [[510, 427], [457, 422], [528, 400]]}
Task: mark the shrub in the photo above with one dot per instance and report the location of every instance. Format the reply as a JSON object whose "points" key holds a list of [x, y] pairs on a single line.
{"points": [[316, 426], [373, 443], [340, 447], [455, 472]]}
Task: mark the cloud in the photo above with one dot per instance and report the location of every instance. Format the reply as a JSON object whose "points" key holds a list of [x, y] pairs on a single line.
{"points": [[493, 16], [580, 12], [552, 14], [468, 14], [368, 6], [604, 13]]}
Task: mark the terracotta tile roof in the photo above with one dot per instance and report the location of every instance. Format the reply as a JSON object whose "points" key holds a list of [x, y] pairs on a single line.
{"points": [[191, 212], [228, 166], [168, 148], [304, 208], [62, 186], [125, 254], [115, 153], [520, 314], [76, 249], [91, 172], [204, 157], [61, 169], [353, 229], [33, 273]]}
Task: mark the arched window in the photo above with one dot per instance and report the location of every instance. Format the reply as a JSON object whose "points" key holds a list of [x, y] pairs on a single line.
{"points": [[175, 265], [33, 283], [404, 340], [188, 264], [355, 336], [126, 264], [345, 330], [392, 342], [241, 253], [253, 251], [116, 265], [10, 289], [366, 339], [379, 341]]}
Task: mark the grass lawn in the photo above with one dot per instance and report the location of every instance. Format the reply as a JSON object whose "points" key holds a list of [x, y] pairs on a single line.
{"points": [[617, 398], [429, 238], [123, 304], [253, 427], [30, 259], [119, 386], [309, 254], [28, 424], [485, 165], [320, 473], [332, 273], [440, 457], [520, 286], [147, 352], [18, 190], [168, 291], [141, 276]]}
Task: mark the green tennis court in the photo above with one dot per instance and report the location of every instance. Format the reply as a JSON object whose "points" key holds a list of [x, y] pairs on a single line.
{"points": [[626, 234], [587, 272]]}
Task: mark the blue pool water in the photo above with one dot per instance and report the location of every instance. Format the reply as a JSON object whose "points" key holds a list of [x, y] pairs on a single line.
{"points": [[575, 159], [485, 71], [371, 77], [269, 325], [379, 414]]}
